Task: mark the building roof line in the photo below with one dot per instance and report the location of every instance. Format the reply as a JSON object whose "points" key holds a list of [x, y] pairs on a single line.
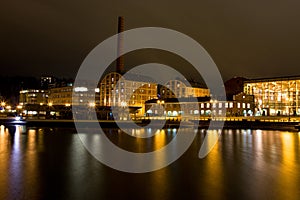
{"points": [[293, 77]]}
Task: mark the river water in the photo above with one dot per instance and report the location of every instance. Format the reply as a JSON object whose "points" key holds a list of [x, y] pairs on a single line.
{"points": [[52, 163]]}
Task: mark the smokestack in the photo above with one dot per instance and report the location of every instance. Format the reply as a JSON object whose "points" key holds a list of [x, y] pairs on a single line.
{"points": [[120, 59]]}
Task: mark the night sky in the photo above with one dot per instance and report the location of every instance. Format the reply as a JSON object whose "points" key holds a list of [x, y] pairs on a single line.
{"points": [[245, 38]]}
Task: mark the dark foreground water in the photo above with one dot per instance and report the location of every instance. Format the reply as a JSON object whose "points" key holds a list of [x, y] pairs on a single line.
{"points": [[44, 163]]}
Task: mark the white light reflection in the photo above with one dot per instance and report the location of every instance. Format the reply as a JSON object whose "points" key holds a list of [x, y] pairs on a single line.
{"points": [[16, 146]]}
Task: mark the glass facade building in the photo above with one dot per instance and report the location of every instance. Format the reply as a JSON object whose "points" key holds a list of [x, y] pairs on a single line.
{"points": [[275, 96]]}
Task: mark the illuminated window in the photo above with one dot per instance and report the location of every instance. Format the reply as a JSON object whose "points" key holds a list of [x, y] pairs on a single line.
{"points": [[230, 105], [238, 105]]}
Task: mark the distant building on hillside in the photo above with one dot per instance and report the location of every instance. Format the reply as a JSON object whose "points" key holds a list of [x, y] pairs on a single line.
{"points": [[47, 82], [234, 86]]}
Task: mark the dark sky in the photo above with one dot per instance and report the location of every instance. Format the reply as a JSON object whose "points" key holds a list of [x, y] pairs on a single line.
{"points": [[245, 38]]}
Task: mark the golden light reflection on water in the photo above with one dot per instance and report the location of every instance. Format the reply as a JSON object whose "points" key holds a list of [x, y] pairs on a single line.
{"points": [[159, 139], [31, 154], [213, 168], [4, 161], [288, 170], [288, 147], [19, 171], [266, 163]]}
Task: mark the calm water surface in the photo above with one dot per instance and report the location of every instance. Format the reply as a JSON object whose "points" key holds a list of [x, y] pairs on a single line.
{"points": [[51, 163]]}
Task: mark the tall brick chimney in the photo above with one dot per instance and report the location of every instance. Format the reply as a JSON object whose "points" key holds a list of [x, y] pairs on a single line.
{"points": [[120, 59]]}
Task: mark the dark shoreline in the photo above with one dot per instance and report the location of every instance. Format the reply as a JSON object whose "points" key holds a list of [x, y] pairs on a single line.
{"points": [[283, 126]]}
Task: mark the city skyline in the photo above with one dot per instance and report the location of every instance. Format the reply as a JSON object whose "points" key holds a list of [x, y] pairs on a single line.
{"points": [[149, 99]]}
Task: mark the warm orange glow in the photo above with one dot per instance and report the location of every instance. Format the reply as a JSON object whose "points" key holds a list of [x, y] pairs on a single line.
{"points": [[92, 104], [3, 103]]}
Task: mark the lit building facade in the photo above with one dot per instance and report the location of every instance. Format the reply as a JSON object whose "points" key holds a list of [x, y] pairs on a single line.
{"points": [[33, 96], [241, 105], [275, 96], [178, 89], [63, 96], [131, 90], [60, 96]]}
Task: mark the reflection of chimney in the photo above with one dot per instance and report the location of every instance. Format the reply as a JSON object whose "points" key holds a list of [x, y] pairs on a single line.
{"points": [[120, 59]]}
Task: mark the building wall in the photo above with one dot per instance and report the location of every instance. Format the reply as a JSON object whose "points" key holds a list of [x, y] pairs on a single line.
{"points": [[33, 96], [63, 96], [177, 89], [278, 96], [60, 96], [117, 91], [238, 107]]}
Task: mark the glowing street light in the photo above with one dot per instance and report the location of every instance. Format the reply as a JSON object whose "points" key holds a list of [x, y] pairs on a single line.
{"points": [[92, 104], [160, 102], [3, 103]]}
